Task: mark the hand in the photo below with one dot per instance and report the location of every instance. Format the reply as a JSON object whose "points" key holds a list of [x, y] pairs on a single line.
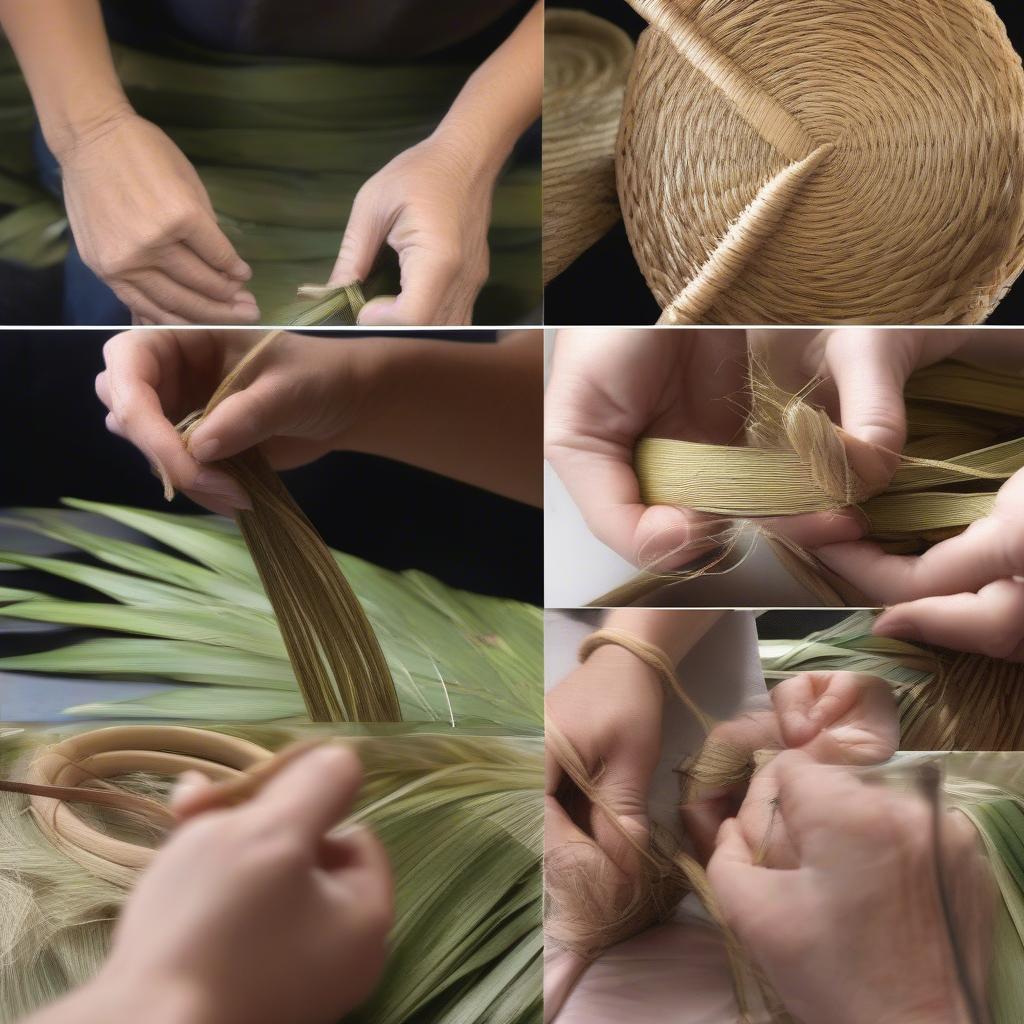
{"points": [[966, 593], [305, 400], [608, 389], [143, 222], [432, 205], [610, 710], [863, 372], [836, 717], [832, 933], [254, 915]]}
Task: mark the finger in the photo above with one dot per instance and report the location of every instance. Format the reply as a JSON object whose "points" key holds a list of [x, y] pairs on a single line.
{"points": [[364, 235], [359, 861], [702, 820], [990, 622], [427, 278], [817, 529], [190, 793], [621, 825], [313, 793], [607, 493], [813, 701], [990, 549], [141, 306], [243, 420], [869, 375], [132, 375], [189, 306], [740, 887], [198, 276], [211, 245]]}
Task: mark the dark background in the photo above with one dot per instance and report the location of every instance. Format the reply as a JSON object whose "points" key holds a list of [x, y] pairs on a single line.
{"points": [[53, 443], [605, 286]]}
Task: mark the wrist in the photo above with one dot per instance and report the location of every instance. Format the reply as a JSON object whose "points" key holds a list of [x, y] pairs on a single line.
{"points": [[67, 131], [477, 151], [617, 662], [119, 996]]}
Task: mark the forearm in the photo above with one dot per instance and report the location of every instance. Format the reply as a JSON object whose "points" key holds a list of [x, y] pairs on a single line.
{"points": [[674, 632], [468, 411], [501, 99], [64, 54]]}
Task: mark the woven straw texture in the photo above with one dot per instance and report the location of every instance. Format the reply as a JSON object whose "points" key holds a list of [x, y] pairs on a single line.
{"points": [[824, 161], [586, 61]]}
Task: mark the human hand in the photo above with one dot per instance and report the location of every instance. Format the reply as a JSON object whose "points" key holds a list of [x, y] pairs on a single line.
{"points": [[836, 717], [966, 593], [432, 205], [305, 399], [832, 933], [144, 224], [610, 710], [608, 389], [282, 920], [863, 371]]}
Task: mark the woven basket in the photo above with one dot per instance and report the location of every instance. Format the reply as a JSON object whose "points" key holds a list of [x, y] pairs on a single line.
{"points": [[824, 161], [586, 61]]}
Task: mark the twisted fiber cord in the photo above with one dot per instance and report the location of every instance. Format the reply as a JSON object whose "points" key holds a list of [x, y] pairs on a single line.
{"points": [[824, 161], [338, 663], [586, 60]]}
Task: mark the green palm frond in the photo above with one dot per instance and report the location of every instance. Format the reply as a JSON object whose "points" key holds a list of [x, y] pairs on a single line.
{"points": [[196, 614]]}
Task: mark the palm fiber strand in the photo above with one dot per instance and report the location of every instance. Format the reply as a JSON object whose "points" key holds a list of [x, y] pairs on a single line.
{"points": [[460, 816], [338, 663], [824, 161], [586, 60], [795, 460]]}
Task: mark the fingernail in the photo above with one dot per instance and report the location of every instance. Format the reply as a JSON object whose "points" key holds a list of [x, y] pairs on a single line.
{"points": [[244, 298], [241, 270], [895, 628], [205, 451], [220, 486], [246, 311]]}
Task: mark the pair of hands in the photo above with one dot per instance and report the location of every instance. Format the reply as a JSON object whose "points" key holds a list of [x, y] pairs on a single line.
{"points": [[610, 388], [144, 223], [280, 919], [836, 850]]}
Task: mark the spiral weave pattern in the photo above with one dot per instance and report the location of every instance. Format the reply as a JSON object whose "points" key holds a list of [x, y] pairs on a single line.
{"points": [[824, 161], [586, 61]]}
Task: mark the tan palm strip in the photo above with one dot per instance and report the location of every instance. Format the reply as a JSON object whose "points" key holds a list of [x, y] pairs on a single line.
{"points": [[338, 662]]}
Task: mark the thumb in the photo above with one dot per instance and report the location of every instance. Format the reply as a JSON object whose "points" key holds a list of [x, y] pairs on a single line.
{"points": [[242, 421], [364, 235], [622, 826], [870, 372]]}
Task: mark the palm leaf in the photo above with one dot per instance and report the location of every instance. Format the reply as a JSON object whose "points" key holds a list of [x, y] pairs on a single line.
{"points": [[196, 614]]}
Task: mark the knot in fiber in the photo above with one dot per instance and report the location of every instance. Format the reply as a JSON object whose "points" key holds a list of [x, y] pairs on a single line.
{"points": [[824, 161]]}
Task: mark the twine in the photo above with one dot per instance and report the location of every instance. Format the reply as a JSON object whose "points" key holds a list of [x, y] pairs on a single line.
{"points": [[586, 60], [824, 161]]}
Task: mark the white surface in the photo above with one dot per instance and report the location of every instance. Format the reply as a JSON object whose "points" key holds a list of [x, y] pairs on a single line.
{"points": [[677, 972]]}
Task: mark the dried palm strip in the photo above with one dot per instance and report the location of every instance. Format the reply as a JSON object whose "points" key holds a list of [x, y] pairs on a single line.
{"points": [[948, 700], [586, 60], [964, 384], [338, 663], [795, 461]]}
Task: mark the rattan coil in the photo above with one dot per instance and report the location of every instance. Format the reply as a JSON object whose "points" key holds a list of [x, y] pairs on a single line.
{"points": [[586, 62]]}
